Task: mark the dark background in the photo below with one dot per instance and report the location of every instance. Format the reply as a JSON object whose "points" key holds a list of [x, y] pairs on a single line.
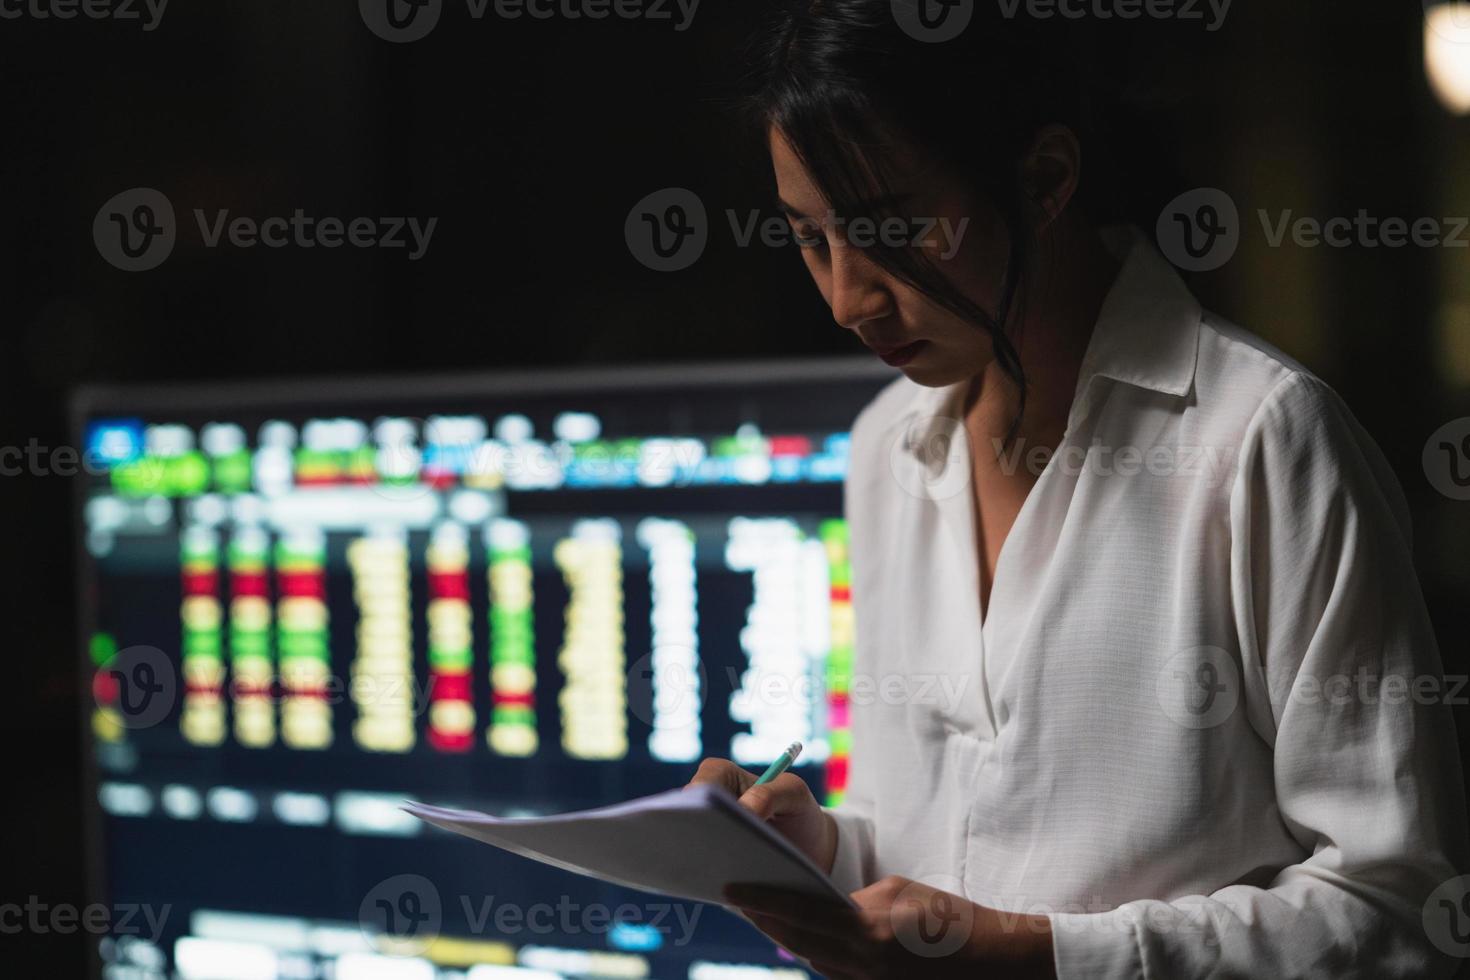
{"points": [[530, 141]]}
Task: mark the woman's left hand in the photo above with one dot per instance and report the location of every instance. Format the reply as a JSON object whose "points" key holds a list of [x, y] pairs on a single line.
{"points": [[901, 928]]}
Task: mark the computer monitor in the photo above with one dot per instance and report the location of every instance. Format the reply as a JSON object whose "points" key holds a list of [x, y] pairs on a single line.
{"points": [[526, 593]]}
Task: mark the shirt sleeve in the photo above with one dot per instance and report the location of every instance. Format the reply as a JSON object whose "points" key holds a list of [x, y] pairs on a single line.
{"points": [[1342, 678]]}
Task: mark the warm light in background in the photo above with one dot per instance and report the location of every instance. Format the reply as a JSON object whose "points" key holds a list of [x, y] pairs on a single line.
{"points": [[1447, 53], [1454, 343]]}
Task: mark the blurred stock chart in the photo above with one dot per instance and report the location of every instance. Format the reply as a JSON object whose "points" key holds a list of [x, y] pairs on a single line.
{"points": [[305, 603]]}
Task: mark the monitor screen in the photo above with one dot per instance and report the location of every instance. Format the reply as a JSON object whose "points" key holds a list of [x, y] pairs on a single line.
{"points": [[303, 604]]}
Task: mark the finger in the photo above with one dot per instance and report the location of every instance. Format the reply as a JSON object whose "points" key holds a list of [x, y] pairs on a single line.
{"points": [[842, 953], [722, 773], [787, 793], [814, 913]]}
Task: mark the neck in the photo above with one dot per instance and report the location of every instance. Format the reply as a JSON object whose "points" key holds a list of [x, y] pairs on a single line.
{"points": [[1072, 275]]}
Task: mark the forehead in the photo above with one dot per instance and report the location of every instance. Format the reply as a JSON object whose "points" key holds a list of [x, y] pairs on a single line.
{"points": [[898, 165], [792, 180]]}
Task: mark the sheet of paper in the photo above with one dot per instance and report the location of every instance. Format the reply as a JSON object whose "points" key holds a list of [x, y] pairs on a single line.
{"points": [[687, 843]]}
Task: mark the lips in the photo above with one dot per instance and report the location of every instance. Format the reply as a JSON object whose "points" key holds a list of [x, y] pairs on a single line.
{"points": [[899, 356]]}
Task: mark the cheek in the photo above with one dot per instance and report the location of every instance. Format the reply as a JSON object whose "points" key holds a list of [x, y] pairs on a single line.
{"points": [[977, 255], [819, 273]]}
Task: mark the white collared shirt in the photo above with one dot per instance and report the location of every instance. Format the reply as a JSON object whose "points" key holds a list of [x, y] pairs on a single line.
{"points": [[1180, 729]]}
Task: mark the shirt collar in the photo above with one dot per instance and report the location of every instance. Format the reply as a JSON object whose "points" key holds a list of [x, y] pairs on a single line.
{"points": [[1147, 335]]}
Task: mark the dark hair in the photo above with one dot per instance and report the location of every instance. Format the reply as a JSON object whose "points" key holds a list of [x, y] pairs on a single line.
{"points": [[845, 83]]}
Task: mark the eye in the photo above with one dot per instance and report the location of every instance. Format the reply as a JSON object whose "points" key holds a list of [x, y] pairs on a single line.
{"points": [[808, 234]]}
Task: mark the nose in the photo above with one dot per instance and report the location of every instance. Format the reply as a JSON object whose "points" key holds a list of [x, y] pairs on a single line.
{"points": [[860, 290]]}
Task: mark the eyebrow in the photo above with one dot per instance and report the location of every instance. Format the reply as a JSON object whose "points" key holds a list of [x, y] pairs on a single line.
{"points": [[882, 203]]}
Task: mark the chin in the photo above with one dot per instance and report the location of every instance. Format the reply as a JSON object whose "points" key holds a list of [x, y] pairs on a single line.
{"points": [[935, 371], [921, 374]]}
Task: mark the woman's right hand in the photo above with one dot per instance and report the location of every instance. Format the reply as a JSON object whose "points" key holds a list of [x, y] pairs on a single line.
{"points": [[786, 802]]}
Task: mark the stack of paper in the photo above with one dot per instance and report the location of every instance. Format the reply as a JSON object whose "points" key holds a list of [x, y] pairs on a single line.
{"points": [[688, 843]]}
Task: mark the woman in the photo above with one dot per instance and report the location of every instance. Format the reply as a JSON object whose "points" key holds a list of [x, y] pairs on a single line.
{"points": [[1142, 582]]}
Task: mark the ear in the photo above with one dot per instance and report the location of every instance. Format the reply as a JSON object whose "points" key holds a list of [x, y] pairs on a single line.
{"points": [[1050, 171]]}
